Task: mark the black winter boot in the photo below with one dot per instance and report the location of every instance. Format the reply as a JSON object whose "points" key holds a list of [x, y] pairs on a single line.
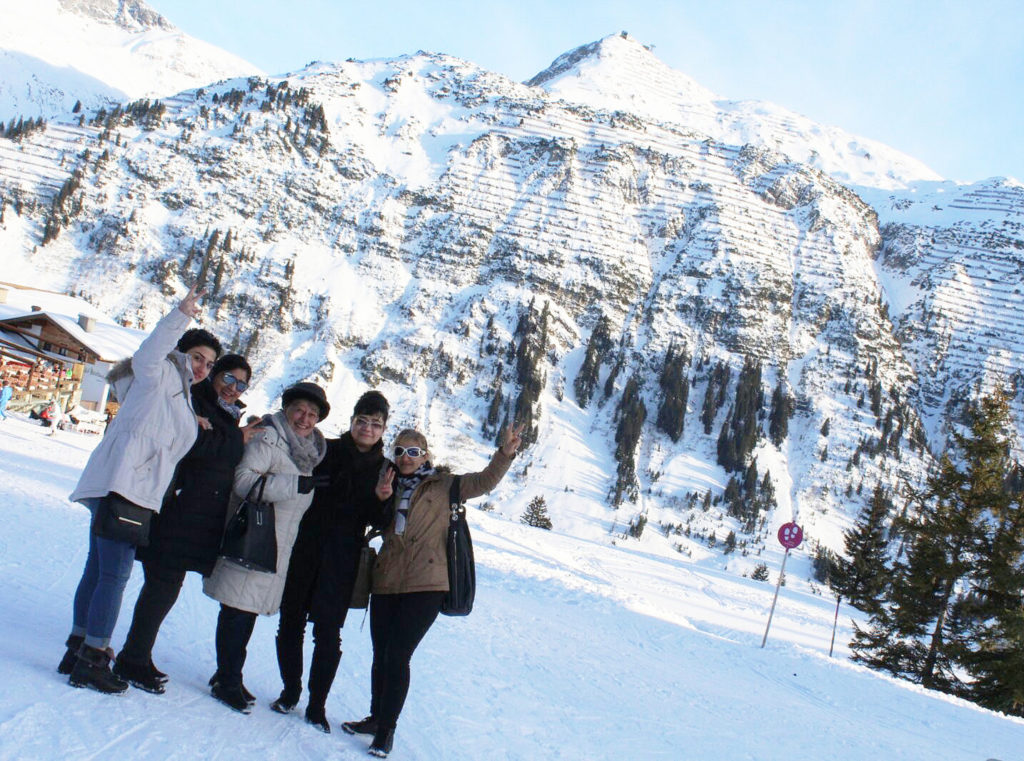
{"points": [[139, 675], [382, 742], [286, 701], [367, 726], [249, 697], [156, 673], [317, 716], [93, 670], [232, 697], [67, 663]]}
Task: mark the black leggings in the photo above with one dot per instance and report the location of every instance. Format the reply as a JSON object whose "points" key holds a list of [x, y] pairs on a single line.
{"points": [[397, 625], [157, 597], [291, 630]]}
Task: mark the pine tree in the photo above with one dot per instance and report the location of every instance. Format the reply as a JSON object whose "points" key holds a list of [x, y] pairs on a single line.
{"points": [[597, 350], [730, 543], [675, 383], [862, 577], [960, 572], [531, 330], [778, 418], [630, 416], [536, 514], [714, 395], [992, 615], [739, 432]]}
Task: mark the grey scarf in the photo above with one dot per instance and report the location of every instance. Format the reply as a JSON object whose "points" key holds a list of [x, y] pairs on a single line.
{"points": [[307, 452]]}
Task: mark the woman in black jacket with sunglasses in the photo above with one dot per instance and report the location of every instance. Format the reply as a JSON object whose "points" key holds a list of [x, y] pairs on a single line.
{"points": [[186, 535]]}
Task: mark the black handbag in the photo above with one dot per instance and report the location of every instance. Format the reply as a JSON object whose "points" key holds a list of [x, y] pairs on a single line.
{"points": [[123, 521], [458, 601], [250, 538], [364, 573]]}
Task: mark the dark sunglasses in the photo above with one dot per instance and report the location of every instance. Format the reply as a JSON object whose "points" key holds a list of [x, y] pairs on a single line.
{"points": [[411, 451], [231, 380]]}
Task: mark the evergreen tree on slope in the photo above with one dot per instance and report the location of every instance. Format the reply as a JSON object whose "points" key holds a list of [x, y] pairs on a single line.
{"points": [[862, 578], [928, 628]]}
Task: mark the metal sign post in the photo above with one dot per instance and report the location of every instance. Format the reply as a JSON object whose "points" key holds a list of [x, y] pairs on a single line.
{"points": [[835, 622], [790, 536]]}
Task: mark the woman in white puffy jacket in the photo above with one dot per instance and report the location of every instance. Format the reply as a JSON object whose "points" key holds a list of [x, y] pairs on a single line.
{"points": [[286, 453], [129, 471]]}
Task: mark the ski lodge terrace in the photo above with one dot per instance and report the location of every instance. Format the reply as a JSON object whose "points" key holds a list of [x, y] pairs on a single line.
{"points": [[58, 347]]}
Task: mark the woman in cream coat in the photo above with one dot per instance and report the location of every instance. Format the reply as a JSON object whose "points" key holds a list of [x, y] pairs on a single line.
{"points": [[286, 453], [134, 461]]}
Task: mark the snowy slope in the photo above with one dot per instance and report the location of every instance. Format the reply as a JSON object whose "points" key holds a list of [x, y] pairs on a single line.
{"points": [[617, 73], [576, 651], [56, 52]]}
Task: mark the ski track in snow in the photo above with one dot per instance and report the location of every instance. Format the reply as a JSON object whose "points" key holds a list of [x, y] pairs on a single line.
{"points": [[576, 650]]}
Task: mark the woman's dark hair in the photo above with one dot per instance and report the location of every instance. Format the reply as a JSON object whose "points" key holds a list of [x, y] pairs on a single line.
{"points": [[230, 362], [372, 403], [194, 337]]}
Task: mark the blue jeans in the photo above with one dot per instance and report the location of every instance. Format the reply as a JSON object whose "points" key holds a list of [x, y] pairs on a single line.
{"points": [[98, 598]]}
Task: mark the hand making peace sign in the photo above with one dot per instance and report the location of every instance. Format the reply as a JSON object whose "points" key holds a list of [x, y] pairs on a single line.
{"points": [[190, 304]]}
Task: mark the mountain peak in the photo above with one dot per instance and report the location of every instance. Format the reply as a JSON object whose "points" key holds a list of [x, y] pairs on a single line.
{"points": [[54, 53], [613, 67], [131, 15]]}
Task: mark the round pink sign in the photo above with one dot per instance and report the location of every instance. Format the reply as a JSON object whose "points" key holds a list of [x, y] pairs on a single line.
{"points": [[790, 535]]}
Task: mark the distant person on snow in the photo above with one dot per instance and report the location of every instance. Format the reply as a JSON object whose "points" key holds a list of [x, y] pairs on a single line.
{"points": [[127, 474], [286, 453], [5, 396], [410, 578], [50, 415], [186, 534]]}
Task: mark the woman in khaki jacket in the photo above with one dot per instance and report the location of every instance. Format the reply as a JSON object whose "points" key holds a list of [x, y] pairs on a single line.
{"points": [[411, 575]]}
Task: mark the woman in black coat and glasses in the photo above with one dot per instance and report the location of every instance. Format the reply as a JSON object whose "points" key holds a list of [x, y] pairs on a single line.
{"points": [[186, 535]]}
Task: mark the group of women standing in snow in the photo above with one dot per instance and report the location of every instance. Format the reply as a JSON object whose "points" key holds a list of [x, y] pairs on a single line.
{"points": [[175, 463]]}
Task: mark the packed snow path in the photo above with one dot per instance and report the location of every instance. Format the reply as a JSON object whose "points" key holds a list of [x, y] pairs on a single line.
{"points": [[576, 650]]}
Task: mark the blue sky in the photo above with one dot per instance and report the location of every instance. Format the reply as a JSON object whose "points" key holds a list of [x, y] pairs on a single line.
{"points": [[942, 81]]}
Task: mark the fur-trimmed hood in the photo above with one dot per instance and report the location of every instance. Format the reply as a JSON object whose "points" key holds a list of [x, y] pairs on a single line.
{"points": [[121, 375]]}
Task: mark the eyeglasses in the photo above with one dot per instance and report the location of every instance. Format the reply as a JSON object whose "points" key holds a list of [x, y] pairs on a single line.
{"points": [[411, 451], [231, 380], [367, 422]]}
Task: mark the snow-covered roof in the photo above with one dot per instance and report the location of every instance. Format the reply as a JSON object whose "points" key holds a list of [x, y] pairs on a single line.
{"points": [[108, 340]]}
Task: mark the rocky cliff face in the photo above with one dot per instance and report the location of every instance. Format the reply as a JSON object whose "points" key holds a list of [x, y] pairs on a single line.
{"points": [[652, 299]]}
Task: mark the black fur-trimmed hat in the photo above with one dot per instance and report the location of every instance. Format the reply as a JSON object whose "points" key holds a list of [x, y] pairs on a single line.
{"points": [[308, 391]]}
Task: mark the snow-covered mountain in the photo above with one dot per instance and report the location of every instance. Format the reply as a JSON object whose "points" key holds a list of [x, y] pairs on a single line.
{"points": [[644, 282], [54, 53], [617, 73]]}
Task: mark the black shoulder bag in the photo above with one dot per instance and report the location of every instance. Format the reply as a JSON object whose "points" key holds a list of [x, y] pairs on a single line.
{"points": [[461, 567], [250, 538], [123, 521]]}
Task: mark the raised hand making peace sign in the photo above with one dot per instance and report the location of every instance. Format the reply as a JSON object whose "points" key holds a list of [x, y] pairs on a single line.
{"points": [[190, 304]]}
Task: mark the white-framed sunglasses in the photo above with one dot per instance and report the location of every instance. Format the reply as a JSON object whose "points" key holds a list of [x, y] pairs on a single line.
{"points": [[411, 451]]}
